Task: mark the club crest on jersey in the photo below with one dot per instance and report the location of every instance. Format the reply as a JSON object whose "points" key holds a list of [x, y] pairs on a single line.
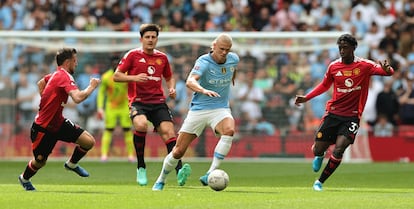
{"points": [[223, 70], [232, 69], [357, 71], [158, 61], [319, 135]]}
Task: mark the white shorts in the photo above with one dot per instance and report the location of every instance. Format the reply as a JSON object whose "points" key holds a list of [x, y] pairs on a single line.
{"points": [[196, 121]]}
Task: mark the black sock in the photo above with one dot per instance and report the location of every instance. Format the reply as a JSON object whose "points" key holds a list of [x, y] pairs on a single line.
{"points": [[30, 171], [333, 163], [139, 144], [78, 154]]}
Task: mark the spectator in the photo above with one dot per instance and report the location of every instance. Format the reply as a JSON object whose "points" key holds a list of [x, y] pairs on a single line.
{"points": [[251, 98], [407, 102], [26, 92], [387, 103], [141, 8], [383, 128]]}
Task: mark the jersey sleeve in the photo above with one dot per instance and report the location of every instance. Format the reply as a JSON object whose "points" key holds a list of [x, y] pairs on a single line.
{"points": [[167, 73], [376, 69], [199, 67], [322, 87], [125, 62], [68, 84]]}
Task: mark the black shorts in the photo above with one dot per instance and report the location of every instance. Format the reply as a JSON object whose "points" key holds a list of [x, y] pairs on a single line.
{"points": [[333, 125], [155, 113], [43, 141]]}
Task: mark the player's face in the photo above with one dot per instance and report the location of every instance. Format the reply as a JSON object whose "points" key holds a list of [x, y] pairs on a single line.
{"points": [[346, 51], [149, 40], [73, 62], [220, 51]]}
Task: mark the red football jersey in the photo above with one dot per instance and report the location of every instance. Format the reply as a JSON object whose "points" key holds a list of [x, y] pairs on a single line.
{"points": [[54, 97], [350, 85], [156, 66]]}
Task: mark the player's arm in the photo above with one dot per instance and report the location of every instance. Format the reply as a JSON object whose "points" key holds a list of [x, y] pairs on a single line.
{"points": [[79, 95], [41, 84], [192, 83], [319, 89], [233, 79], [386, 67], [101, 98], [120, 76], [170, 82]]}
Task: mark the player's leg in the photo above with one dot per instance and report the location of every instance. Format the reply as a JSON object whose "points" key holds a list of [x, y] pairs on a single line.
{"points": [[125, 123], [140, 125], [223, 123], [171, 160], [319, 149], [226, 130], [42, 144], [167, 133], [69, 132], [335, 159], [110, 123]]}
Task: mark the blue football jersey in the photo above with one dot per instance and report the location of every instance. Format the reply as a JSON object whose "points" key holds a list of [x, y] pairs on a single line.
{"points": [[214, 77]]}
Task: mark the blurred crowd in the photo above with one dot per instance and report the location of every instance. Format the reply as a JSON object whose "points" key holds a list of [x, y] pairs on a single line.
{"points": [[266, 85]]}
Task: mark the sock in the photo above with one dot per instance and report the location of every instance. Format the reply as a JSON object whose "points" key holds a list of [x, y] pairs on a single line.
{"points": [[167, 167], [221, 151], [129, 143], [30, 171], [333, 163], [170, 143], [139, 143], [78, 154], [106, 143]]}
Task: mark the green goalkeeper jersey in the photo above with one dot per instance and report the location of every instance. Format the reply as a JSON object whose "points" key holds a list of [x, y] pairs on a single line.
{"points": [[112, 95]]}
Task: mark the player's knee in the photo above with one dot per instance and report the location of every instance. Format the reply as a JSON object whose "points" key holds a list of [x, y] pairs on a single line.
{"points": [[178, 153], [86, 141], [338, 154], [229, 131], [40, 161], [140, 127], [317, 151]]}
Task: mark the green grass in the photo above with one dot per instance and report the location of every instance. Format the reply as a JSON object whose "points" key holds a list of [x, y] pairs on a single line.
{"points": [[253, 184]]}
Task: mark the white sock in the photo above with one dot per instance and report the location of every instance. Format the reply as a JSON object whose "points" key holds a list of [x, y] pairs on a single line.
{"points": [[168, 165], [70, 164], [221, 151]]}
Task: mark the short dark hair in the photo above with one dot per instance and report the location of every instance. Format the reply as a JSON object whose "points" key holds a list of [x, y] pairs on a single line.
{"points": [[149, 27], [349, 39], [63, 54]]}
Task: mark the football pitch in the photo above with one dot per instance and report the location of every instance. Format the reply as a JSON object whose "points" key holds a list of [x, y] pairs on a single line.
{"points": [[253, 184]]}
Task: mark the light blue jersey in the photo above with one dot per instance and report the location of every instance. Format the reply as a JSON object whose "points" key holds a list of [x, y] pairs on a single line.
{"points": [[214, 77]]}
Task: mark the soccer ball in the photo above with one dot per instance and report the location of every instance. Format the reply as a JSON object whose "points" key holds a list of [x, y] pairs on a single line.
{"points": [[218, 180]]}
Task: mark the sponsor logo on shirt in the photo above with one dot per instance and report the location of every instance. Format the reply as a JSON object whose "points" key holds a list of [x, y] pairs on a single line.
{"points": [[142, 60], [339, 73]]}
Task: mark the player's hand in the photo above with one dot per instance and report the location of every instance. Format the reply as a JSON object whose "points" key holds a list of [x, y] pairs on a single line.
{"points": [[211, 93], [142, 77], [172, 93], [100, 114], [300, 99], [385, 65], [94, 82]]}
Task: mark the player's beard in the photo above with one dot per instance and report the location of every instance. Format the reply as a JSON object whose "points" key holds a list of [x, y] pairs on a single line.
{"points": [[71, 70]]}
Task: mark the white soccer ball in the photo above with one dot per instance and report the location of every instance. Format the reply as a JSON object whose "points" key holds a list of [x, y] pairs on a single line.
{"points": [[218, 180]]}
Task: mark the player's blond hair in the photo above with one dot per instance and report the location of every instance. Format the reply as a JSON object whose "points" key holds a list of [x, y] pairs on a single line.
{"points": [[222, 37]]}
